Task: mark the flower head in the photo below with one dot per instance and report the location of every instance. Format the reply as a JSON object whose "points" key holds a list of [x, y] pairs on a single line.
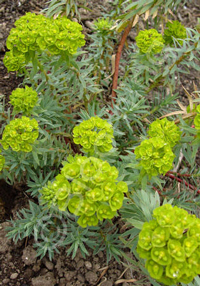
{"points": [[150, 41], [174, 30], [20, 134], [24, 99], [170, 243], [37, 33], [88, 187], [94, 134]]}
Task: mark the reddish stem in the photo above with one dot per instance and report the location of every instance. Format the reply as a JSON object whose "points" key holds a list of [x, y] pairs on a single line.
{"points": [[117, 60], [181, 181], [179, 174]]}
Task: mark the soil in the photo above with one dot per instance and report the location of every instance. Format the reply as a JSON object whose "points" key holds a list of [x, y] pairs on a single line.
{"points": [[19, 265]]}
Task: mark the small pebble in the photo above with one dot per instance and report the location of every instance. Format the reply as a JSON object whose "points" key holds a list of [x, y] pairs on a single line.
{"points": [[88, 264], [48, 264], [14, 276], [5, 281]]}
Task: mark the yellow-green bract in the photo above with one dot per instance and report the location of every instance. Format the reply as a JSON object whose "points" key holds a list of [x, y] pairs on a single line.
{"points": [[170, 243], [23, 99], [165, 129], [197, 118], [149, 41], [36, 33], [88, 187], [156, 156], [103, 25], [20, 134], [94, 133], [174, 30], [2, 161]]}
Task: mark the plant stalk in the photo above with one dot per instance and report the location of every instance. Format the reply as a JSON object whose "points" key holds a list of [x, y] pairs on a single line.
{"points": [[117, 60]]}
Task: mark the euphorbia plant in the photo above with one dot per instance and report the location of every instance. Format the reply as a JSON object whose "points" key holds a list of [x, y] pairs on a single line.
{"points": [[83, 153]]}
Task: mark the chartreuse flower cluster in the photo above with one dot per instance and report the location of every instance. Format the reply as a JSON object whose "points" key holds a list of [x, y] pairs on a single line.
{"points": [[156, 153], [197, 118], [38, 33], [165, 129], [174, 30], [103, 25], [88, 187], [20, 134], [2, 161], [23, 99], [171, 244], [94, 134], [150, 41]]}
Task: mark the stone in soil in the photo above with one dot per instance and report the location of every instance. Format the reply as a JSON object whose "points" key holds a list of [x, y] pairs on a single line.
{"points": [[46, 280], [91, 277], [29, 255]]}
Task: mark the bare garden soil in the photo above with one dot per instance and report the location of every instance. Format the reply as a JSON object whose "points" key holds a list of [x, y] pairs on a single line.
{"points": [[18, 263]]}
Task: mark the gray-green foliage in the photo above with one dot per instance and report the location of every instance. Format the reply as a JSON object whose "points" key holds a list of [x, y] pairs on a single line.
{"points": [[76, 88]]}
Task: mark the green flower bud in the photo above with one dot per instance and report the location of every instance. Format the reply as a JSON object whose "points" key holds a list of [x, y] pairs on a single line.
{"points": [[164, 215], [160, 236], [2, 161], [161, 256], [87, 220], [166, 280], [190, 245], [94, 133], [37, 33], [165, 129], [48, 194], [105, 211], [176, 249], [116, 201], [75, 205], [145, 240], [71, 171], [143, 253], [182, 216], [197, 121], [151, 225], [186, 278], [177, 230], [154, 269], [79, 186], [84, 188], [109, 189], [193, 264], [175, 269], [150, 41], [19, 134], [88, 208], [103, 25], [194, 230], [13, 63], [174, 30], [24, 99], [156, 156], [122, 187], [94, 195], [62, 204]]}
